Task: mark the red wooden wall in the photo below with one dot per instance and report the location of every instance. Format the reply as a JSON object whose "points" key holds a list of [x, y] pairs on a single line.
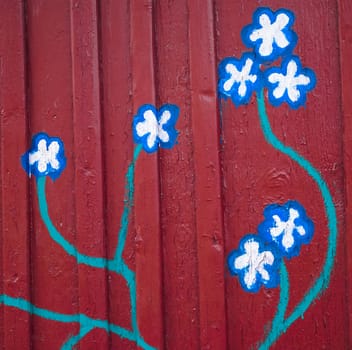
{"points": [[80, 70]]}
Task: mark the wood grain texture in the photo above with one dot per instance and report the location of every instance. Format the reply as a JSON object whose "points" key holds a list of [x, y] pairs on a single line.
{"points": [[147, 234], [208, 200], [117, 146], [49, 95], [178, 206], [80, 70], [345, 39], [15, 235], [88, 163]]}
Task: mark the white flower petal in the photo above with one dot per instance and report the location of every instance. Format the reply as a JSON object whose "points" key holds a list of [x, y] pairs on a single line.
{"points": [[255, 35], [275, 77], [279, 91], [42, 165], [241, 262], [242, 89], [264, 20], [265, 275], [301, 230], [149, 125], [291, 69], [250, 278], [293, 93], [231, 69], [151, 140], [165, 117], [288, 240], [302, 80], [282, 21], [162, 134], [266, 48], [280, 40]]}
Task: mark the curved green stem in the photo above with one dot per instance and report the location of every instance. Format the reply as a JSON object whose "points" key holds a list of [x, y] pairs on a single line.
{"points": [[56, 236], [116, 265], [281, 308], [323, 280]]}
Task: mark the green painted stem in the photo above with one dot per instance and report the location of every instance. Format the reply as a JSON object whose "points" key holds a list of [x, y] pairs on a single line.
{"points": [[129, 196], [281, 309], [86, 323], [71, 342], [322, 282], [84, 320], [70, 249], [116, 265]]}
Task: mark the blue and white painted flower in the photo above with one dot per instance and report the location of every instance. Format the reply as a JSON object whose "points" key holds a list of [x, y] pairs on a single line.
{"points": [[239, 78], [45, 157], [255, 264], [270, 34], [153, 128], [287, 226], [290, 83]]}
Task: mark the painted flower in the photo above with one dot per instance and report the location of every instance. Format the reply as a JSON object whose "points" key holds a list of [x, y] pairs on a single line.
{"points": [[270, 34], [287, 226], [255, 264], [239, 78], [290, 83], [45, 157], [153, 128]]}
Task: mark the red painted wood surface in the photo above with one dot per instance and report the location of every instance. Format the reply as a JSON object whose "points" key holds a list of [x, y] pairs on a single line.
{"points": [[80, 70]]}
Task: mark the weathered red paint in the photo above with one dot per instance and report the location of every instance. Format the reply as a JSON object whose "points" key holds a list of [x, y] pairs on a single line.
{"points": [[89, 171], [345, 36], [208, 210], [117, 109], [54, 275], [80, 70], [146, 233], [15, 252]]}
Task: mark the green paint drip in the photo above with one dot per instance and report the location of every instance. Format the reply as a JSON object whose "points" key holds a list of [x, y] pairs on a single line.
{"points": [[116, 265], [323, 280]]}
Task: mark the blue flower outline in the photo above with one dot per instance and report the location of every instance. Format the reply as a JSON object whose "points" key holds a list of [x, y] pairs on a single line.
{"points": [[271, 269], [31, 166], [240, 66], [168, 127], [282, 74], [275, 212], [257, 44]]}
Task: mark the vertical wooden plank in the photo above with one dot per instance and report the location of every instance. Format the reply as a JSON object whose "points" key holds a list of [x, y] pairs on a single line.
{"points": [[15, 228], [54, 272], [210, 239], [90, 230], [179, 241], [345, 36], [117, 152], [146, 213]]}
